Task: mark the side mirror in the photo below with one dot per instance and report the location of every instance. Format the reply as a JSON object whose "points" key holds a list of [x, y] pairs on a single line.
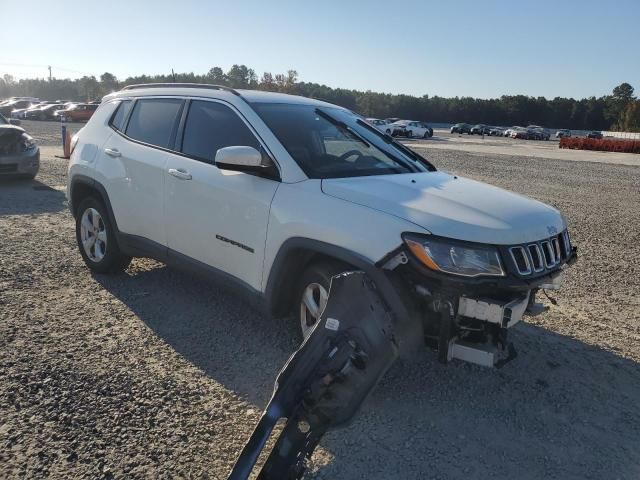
{"points": [[240, 159], [14, 121]]}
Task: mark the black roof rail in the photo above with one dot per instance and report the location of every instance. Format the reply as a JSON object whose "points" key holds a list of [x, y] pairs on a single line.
{"points": [[181, 85]]}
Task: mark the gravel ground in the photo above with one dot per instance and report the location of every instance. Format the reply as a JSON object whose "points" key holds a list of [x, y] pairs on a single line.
{"points": [[158, 374]]}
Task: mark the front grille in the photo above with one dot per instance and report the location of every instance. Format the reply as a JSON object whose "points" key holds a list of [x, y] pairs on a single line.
{"points": [[9, 168], [543, 255]]}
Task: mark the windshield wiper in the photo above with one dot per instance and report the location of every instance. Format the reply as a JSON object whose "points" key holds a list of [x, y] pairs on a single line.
{"points": [[342, 126], [389, 139]]}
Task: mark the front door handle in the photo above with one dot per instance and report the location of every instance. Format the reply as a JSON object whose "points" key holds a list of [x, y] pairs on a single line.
{"points": [[112, 152], [180, 173]]}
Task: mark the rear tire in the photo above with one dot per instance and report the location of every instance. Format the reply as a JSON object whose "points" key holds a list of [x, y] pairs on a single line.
{"points": [[96, 238], [312, 293]]}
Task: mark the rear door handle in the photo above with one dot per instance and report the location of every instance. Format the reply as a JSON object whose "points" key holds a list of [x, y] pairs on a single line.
{"points": [[180, 173], [112, 152]]}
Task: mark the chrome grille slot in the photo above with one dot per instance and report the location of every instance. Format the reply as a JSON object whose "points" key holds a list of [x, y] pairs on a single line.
{"points": [[521, 259], [566, 242], [549, 254], [556, 248], [536, 258]]}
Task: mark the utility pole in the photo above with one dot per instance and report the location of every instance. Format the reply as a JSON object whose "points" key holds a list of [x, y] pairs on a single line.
{"points": [[49, 67], [173, 75]]}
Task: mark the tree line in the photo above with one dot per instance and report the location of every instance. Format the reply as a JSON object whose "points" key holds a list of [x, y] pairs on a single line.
{"points": [[618, 111]]}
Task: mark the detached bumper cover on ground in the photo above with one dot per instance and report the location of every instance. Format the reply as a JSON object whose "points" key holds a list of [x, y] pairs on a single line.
{"points": [[325, 381]]}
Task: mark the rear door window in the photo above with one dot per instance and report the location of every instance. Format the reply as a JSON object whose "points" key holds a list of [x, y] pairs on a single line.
{"points": [[211, 126], [153, 120]]}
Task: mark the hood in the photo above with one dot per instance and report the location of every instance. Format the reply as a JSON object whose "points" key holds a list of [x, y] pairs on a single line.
{"points": [[10, 133], [452, 207]]}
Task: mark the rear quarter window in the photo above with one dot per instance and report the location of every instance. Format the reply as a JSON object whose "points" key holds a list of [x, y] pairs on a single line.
{"points": [[117, 120], [153, 120]]}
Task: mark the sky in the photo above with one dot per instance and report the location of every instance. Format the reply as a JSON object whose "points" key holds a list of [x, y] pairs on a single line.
{"points": [[484, 49]]}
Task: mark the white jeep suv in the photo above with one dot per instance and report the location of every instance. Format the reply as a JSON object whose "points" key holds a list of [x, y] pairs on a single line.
{"points": [[275, 194]]}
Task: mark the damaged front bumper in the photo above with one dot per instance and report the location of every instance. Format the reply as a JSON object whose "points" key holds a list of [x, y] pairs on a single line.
{"points": [[20, 164], [19, 155], [469, 318]]}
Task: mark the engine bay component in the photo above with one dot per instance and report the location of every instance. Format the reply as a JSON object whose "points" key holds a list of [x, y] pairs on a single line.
{"points": [[325, 381]]}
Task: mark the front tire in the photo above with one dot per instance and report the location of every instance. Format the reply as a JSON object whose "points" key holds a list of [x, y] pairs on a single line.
{"points": [[313, 292], [96, 238]]}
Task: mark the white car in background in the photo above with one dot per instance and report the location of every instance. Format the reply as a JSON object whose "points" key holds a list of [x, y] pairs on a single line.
{"points": [[383, 125], [418, 129], [509, 131]]}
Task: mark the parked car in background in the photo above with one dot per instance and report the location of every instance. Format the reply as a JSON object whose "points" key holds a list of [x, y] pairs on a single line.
{"points": [[479, 129], [398, 128], [20, 112], [44, 113], [496, 131], [14, 99], [382, 125], [12, 105], [461, 128], [418, 129], [519, 132], [509, 131], [58, 114], [80, 112], [19, 154], [563, 133], [538, 133], [594, 134], [533, 134]]}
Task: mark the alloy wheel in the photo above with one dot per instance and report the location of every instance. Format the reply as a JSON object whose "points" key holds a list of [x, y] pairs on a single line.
{"points": [[314, 299], [93, 235]]}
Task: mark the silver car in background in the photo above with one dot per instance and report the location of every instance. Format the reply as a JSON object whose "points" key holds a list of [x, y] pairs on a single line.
{"points": [[19, 154]]}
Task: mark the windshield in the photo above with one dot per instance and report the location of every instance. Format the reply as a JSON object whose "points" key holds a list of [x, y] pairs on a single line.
{"points": [[329, 142]]}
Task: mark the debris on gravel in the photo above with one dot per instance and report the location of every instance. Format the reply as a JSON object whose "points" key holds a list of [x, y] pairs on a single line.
{"points": [[156, 373]]}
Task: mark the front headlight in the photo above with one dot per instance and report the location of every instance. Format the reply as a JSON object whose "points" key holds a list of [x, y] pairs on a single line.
{"points": [[455, 257], [27, 142]]}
